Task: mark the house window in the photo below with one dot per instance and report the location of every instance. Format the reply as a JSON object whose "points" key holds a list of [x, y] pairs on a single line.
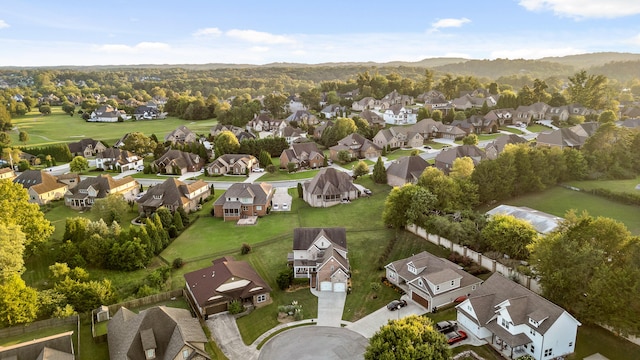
{"points": [[473, 287], [151, 354], [258, 207], [505, 324], [261, 298], [453, 282], [548, 352], [437, 287], [533, 348], [185, 353], [571, 344], [532, 332], [392, 275]]}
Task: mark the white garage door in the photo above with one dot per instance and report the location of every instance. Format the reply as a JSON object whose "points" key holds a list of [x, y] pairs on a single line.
{"points": [[339, 287], [326, 286]]}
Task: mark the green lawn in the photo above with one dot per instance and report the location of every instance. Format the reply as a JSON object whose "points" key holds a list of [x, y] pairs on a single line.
{"points": [[511, 130], [538, 128], [628, 185], [396, 154], [60, 127], [558, 201], [283, 175], [351, 164], [594, 339]]}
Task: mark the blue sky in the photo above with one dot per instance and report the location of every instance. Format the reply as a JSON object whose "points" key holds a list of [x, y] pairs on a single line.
{"points": [[119, 32]]}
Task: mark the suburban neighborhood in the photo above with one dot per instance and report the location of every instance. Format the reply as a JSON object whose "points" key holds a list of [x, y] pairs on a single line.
{"points": [[240, 227]]}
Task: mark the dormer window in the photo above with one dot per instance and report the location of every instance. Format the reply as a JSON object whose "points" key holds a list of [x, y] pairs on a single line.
{"points": [[150, 354], [420, 283], [412, 269]]}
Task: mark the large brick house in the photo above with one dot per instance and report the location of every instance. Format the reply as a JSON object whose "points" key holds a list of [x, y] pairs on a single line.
{"points": [[243, 200]]}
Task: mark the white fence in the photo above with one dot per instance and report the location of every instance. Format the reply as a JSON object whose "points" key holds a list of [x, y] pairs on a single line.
{"points": [[484, 261]]}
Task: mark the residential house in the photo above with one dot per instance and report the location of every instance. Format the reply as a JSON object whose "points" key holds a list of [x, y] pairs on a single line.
{"points": [[54, 347], [630, 123], [211, 289], [573, 137], [264, 123], [240, 133], [291, 134], [526, 114], [119, 160], [450, 132], [71, 179], [178, 162], [303, 117], [517, 321], [366, 103], [433, 100], [320, 254], [544, 223], [329, 187], [431, 281], [181, 135], [88, 190], [494, 148], [156, 333], [400, 115], [395, 98], [303, 155], [468, 101], [501, 116], [7, 173], [333, 110], [294, 103], [146, 112], [445, 159], [172, 194], [107, 113], [406, 170], [86, 147], [41, 186], [357, 146], [477, 124], [374, 119], [428, 128], [243, 200], [232, 164], [398, 136]]}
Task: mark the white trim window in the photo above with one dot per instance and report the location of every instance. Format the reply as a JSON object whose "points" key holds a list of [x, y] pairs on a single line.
{"points": [[261, 298]]}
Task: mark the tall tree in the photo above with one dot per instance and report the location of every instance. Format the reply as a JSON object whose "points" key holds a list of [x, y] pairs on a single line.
{"points": [[379, 175], [509, 235], [5, 119], [226, 143], [111, 208], [409, 204], [139, 144], [18, 302], [79, 164], [274, 103], [588, 90], [23, 136], [12, 242], [412, 337]]}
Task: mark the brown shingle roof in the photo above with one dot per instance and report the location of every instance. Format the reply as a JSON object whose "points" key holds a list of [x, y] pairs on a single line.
{"points": [[40, 181], [330, 181]]}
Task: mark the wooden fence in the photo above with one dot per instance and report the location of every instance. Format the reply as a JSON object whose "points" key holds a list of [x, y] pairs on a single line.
{"points": [[486, 262], [147, 300], [37, 326]]}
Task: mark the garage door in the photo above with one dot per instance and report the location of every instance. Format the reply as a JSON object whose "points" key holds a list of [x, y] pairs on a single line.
{"points": [[419, 299], [339, 287], [214, 309], [326, 286]]}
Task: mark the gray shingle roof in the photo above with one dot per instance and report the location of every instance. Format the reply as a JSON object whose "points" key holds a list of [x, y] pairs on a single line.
{"points": [[330, 181], [408, 168], [258, 192], [304, 237]]}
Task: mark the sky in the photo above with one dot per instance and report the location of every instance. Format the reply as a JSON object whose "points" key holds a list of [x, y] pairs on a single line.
{"points": [[125, 32]]}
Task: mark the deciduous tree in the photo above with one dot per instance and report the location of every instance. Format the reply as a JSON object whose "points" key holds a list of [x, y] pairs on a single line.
{"points": [[509, 235], [12, 241], [79, 164], [412, 337], [360, 169], [406, 205], [226, 143]]}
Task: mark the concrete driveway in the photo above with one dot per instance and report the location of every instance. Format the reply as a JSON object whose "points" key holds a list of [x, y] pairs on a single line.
{"points": [[330, 307], [315, 342], [226, 334], [368, 325]]}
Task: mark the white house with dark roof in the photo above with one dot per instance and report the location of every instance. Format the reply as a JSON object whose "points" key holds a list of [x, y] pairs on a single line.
{"points": [[431, 281], [320, 254], [517, 322]]}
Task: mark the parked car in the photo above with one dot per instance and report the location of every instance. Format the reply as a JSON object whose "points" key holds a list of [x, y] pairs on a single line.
{"points": [[446, 326], [455, 336], [428, 147], [258, 170], [285, 206], [396, 304], [367, 191], [275, 207]]}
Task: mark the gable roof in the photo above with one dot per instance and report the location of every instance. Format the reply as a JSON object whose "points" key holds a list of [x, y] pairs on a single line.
{"points": [[210, 281], [523, 303], [54, 347], [447, 156], [499, 143], [78, 147], [39, 181], [103, 183], [258, 192], [169, 328], [171, 192], [434, 269], [408, 168], [179, 158], [304, 237]]}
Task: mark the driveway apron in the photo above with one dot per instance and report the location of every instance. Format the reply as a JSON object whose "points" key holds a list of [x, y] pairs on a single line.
{"points": [[226, 334], [330, 307]]}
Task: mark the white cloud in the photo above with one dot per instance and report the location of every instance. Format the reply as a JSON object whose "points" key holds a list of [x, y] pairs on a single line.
{"points": [[140, 47], [3, 24], [259, 37], [534, 53], [447, 23], [259, 49], [634, 40], [208, 32], [580, 9]]}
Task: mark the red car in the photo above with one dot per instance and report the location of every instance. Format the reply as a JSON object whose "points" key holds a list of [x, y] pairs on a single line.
{"points": [[455, 336]]}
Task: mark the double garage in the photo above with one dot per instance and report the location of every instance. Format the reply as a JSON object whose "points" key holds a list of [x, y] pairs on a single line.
{"points": [[415, 296], [333, 286]]}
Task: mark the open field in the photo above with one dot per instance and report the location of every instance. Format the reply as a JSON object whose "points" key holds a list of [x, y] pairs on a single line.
{"points": [[558, 201], [628, 185], [60, 127]]}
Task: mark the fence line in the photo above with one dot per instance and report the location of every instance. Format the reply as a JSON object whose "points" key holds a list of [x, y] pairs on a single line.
{"points": [[147, 300], [37, 326], [486, 262]]}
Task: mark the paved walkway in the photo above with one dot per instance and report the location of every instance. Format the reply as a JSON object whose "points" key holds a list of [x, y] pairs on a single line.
{"points": [[226, 334]]}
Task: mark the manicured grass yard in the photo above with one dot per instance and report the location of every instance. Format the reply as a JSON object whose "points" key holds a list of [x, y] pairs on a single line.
{"points": [[60, 127], [538, 128], [283, 175], [396, 154], [628, 185], [558, 201], [511, 130]]}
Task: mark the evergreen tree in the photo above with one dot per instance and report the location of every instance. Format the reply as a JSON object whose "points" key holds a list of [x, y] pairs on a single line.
{"points": [[379, 175]]}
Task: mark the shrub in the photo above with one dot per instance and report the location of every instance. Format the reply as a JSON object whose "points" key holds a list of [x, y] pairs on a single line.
{"points": [[145, 290], [245, 249], [284, 279], [235, 307], [177, 263], [375, 286]]}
